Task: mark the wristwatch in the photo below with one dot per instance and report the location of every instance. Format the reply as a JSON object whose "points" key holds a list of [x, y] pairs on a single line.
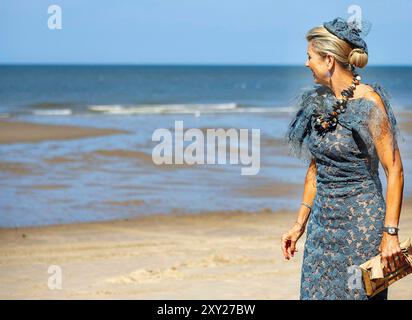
{"points": [[391, 230]]}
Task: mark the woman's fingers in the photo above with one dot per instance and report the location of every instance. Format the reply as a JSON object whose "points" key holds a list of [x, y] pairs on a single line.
{"points": [[401, 258], [285, 246], [398, 258], [384, 262], [288, 241], [292, 247], [396, 261], [391, 261]]}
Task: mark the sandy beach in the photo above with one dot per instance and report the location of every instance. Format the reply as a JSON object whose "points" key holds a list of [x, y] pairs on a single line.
{"points": [[159, 150], [220, 255], [200, 255]]}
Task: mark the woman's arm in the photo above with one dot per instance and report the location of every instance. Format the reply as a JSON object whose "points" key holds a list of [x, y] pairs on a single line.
{"points": [[289, 239], [390, 249], [309, 193], [392, 164]]}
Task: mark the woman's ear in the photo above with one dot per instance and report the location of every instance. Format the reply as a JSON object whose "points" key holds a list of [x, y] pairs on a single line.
{"points": [[330, 61]]}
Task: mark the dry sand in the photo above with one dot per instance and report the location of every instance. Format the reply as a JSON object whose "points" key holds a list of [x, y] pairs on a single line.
{"points": [[221, 255]]}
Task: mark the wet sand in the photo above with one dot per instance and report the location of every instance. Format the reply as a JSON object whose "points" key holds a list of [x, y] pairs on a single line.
{"points": [[25, 132]]}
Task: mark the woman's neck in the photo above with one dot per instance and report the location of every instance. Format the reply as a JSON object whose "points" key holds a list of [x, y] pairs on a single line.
{"points": [[340, 81]]}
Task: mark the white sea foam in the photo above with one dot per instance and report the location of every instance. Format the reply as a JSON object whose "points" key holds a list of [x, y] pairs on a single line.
{"points": [[196, 109], [53, 112]]}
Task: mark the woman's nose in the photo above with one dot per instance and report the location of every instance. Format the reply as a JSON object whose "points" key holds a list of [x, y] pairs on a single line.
{"points": [[307, 63]]}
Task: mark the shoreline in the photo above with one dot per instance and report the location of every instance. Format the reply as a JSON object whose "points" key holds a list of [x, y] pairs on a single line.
{"points": [[161, 217]]}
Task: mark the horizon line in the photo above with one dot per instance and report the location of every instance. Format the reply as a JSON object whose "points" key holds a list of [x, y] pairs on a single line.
{"points": [[182, 64]]}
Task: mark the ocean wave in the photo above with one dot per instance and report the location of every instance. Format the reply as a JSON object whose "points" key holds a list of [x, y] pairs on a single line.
{"points": [[196, 109], [143, 109], [53, 112]]}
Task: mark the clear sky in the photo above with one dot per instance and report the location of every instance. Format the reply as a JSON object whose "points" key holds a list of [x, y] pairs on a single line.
{"points": [[191, 31]]}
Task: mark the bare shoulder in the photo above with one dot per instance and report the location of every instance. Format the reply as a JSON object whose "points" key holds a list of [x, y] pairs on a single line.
{"points": [[376, 98], [362, 90], [370, 94]]}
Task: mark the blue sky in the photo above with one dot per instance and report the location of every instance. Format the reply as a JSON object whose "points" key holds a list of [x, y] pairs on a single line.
{"points": [[191, 31]]}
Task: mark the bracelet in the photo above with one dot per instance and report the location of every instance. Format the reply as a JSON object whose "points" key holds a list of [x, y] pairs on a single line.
{"points": [[306, 205], [297, 222], [301, 226]]}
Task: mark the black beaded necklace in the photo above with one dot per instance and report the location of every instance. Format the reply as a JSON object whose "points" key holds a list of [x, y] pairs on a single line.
{"points": [[328, 123]]}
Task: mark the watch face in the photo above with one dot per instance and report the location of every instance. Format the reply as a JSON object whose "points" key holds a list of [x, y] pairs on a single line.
{"points": [[391, 230]]}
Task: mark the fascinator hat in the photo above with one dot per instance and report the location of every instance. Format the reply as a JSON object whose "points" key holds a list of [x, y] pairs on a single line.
{"points": [[352, 31]]}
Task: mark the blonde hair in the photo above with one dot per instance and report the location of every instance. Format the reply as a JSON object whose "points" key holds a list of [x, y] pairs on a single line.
{"points": [[325, 42]]}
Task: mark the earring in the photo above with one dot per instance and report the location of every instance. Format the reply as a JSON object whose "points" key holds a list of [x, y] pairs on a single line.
{"points": [[328, 74]]}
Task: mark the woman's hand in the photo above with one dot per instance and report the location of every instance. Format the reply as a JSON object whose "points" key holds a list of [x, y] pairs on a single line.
{"points": [[289, 240], [391, 253]]}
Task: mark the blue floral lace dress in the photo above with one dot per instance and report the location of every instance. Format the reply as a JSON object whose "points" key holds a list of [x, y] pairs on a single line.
{"points": [[346, 223]]}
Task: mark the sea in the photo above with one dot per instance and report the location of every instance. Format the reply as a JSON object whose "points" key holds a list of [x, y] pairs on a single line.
{"points": [[113, 177]]}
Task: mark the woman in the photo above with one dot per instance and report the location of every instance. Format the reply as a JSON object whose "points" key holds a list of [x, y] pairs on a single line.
{"points": [[345, 128]]}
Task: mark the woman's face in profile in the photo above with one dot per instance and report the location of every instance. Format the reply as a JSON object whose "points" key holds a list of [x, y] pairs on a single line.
{"points": [[317, 65]]}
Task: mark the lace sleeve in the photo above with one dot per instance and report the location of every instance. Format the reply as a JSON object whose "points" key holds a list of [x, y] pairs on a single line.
{"points": [[299, 128], [379, 122]]}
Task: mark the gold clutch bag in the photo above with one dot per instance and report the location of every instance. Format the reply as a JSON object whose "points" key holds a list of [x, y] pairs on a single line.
{"points": [[373, 275]]}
